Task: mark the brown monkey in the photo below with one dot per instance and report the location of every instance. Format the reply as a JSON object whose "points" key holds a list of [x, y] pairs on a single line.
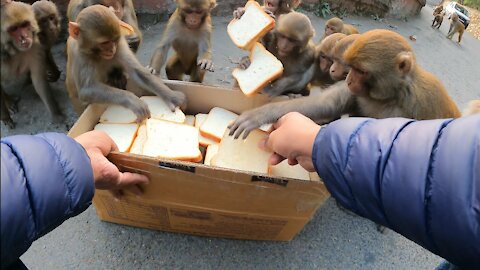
{"points": [[95, 48], [438, 16], [188, 31], [22, 54], [456, 27], [274, 8], [339, 70], [48, 19], [124, 10], [472, 108], [336, 25], [291, 42], [384, 81], [324, 60]]}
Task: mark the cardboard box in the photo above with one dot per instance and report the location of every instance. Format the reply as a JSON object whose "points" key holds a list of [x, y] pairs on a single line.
{"points": [[196, 199]]}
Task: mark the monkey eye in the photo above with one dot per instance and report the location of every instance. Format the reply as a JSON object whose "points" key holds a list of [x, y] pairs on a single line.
{"points": [[25, 24], [52, 17], [12, 28]]}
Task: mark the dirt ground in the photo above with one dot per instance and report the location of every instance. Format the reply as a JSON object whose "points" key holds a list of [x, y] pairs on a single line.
{"points": [[332, 240]]}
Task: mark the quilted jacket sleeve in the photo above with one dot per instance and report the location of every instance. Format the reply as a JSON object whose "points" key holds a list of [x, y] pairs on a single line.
{"points": [[46, 179], [419, 178]]}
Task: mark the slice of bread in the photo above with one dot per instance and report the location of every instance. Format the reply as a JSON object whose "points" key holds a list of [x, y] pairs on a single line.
{"points": [[211, 152], [116, 114], [283, 169], [242, 155], [199, 119], [217, 123], [266, 127], [252, 26], [122, 134], [190, 120], [171, 140], [160, 110], [137, 146], [264, 68]]}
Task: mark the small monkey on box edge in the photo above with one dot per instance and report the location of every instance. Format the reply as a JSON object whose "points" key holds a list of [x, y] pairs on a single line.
{"points": [[96, 47], [188, 32], [378, 85]]}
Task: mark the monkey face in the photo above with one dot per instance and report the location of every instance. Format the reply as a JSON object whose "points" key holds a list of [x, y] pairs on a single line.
{"points": [[325, 62], [338, 70], [330, 29], [107, 49], [193, 18], [357, 81], [272, 5], [116, 7], [50, 22], [22, 35], [285, 45]]}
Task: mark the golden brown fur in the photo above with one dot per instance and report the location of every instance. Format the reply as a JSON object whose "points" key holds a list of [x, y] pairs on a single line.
{"points": [[456, 27]]}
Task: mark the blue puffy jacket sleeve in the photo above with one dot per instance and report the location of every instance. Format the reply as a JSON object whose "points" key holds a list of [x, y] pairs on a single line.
{"points": [[46, 179], [419, 178]]}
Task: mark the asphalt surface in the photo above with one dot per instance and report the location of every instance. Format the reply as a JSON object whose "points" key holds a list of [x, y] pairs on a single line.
{"points": [[334, 239]]}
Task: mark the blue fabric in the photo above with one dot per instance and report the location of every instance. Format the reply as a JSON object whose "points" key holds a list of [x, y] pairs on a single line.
{"points": [[46, 179], [419, 178]]}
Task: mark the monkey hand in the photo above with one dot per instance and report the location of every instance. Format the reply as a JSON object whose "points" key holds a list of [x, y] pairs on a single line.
{"points": [[238, 13], [8, 122], [133, 42], [152, 70], [244, 62], [177, 99], [247, 122], [206, 64], [139, 108], [269, 13], [272, 90]]}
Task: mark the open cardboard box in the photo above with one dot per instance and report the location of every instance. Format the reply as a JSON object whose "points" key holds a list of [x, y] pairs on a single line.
{"points": [[196, 199]]}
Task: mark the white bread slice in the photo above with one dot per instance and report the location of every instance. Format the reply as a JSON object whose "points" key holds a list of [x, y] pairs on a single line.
{"points": [[252, 26], [242, 155], [190, 120], [217, 123], [116, 114], [122, 134], [199, 119], [264, 68], [283, 169], [212, 150], [171, 140], [160, 110], [137, 146], [266, 127]]}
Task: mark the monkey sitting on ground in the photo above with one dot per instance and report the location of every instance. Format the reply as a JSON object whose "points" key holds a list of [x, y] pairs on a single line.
{"points": [[22, 55], [472, 108], [292, 44], [124, 10], [95, 48], [336, 25], [438, 14], [384, 81], [274, 8], [456, 27], [339, 69], [188, 31], [48, 19]]}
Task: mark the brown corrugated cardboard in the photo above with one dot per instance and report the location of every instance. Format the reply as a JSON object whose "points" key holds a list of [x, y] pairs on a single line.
{"points": [[193, 198]]}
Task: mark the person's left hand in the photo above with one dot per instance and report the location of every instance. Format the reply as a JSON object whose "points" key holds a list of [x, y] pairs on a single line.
{"points": [[292, 139], [106, 175]]}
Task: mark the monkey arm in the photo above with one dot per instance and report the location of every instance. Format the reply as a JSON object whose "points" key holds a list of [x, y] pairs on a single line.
{"points": [[330, 104], [294, 83], [205, 51], [131, 18], [160, 55]]}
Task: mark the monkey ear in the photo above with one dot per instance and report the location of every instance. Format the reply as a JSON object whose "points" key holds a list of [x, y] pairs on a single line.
{"points": [[73, 29], [404, 63]]}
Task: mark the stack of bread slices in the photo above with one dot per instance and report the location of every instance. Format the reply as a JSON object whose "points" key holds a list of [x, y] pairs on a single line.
{"points": [[245, 33], [176, 136]]}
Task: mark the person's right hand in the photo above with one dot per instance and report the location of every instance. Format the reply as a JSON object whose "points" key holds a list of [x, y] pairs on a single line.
{"points": [[106, 175]]}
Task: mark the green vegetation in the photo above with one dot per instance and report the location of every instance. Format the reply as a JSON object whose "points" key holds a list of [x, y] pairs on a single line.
{"points": [[472, 3]]}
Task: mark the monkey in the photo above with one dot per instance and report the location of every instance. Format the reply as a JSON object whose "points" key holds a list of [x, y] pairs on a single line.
{"points": [[22, 55], [48, 19], [438, 14], [124, 10], [472, 108], [384, 81], [95, 48], [274, 8], [292, 44], [188, 31], [324, 60], [456, 27], [8, 106], [338, 69], [336, 25]]}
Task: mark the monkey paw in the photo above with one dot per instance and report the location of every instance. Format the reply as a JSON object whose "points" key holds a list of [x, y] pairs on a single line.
{"points": [[140, 109], [238, 13], [9, 122], [152, 70], [178, 99], [269, 13], [245, 123], [244, 62], [206, 64]]}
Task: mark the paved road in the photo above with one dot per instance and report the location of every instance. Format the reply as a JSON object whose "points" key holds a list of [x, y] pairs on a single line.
{"points": [[332, 240]]}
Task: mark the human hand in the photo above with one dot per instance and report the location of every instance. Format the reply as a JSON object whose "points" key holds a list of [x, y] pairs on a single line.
{"points": [[106, 175], [292, 139]]}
